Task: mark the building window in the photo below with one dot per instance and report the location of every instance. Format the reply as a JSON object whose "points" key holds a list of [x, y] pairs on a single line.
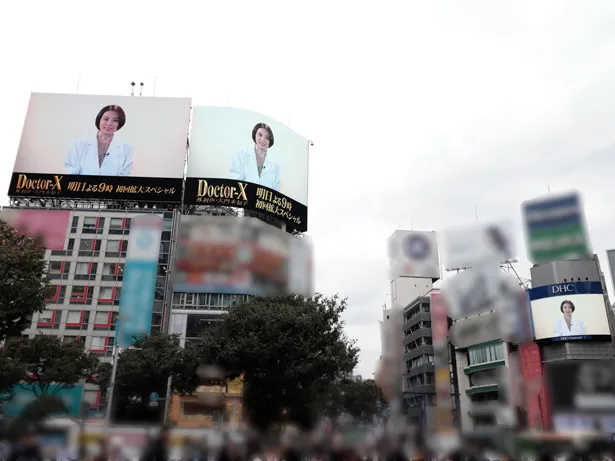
{"points": [[106, 295], [85, 271], [119, 226], [485, 397], [89, 247], [196, 323], [117, 295], [485, 354], [102, 319], [82, 269], [74, 317], [81, 294], [422, 360], [484, 420], [117, 248], [45, 316], [113, 246], [73, 339], [89, 225], [74, 225], [77, 320], [58, 270], [99, 344], [47, 319], [78, 292], [93, 225], [116, 223], [113, 272], [55, 268], [56, 294]]}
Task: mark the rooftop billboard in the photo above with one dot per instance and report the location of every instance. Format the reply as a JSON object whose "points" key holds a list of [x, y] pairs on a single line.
{"points": [[102, 147], [244, 159], [413, 254]]}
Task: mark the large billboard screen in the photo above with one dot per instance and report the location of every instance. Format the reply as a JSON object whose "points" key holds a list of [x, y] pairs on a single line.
{"points": [[244, 159], [224, 254], [102, 147], [569, 311]]}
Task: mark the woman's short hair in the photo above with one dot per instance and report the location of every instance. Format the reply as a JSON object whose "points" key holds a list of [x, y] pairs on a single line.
{"points": [[561, 306], [112, 108], [265, 127]]}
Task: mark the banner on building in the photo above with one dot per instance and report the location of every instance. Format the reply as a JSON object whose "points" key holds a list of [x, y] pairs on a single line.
{"points": [[140, 274]]}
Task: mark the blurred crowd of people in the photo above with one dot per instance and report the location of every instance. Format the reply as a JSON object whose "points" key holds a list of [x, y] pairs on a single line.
{"points": [[292, 446]]}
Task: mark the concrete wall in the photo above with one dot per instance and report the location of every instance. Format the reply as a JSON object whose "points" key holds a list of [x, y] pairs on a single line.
{"points": [[406, 289]]}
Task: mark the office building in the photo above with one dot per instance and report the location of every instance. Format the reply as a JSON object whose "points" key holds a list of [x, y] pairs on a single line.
{"points": [[419, 367], [88, 276], [581, 281], [479, 363]]}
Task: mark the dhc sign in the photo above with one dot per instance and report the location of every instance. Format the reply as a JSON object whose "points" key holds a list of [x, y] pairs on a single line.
{"points": [[566, 288]]}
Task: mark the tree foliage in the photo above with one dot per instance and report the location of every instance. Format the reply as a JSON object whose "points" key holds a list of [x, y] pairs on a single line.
{"points": [[44, 362], [23, 282], [12, 372], [145, 368], [355, 397], [289, 349]]}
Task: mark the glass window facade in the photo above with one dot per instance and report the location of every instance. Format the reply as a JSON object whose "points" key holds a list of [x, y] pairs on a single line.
{"points": [[486, 354]]}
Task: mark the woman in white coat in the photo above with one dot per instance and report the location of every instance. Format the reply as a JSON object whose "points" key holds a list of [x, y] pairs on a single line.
{"points": [[102, 154], [252, 164], [566, 325]]}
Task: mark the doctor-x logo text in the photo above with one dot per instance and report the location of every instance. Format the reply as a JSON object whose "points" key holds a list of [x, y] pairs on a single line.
{"points": [[39, 184]]}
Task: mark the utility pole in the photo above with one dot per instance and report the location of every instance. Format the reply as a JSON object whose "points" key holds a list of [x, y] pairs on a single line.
{"points": [[111, 388], [116, 351]]}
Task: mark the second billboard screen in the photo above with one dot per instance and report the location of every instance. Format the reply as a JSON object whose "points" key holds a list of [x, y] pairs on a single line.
{"points": [[244, 159]]}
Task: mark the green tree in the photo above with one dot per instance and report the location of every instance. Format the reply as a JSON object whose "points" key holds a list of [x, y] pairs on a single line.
{"points": [[348, 395], [360, 397], [46, 365], [12, 372], [23, 282], [145, 368], [289, 349]]}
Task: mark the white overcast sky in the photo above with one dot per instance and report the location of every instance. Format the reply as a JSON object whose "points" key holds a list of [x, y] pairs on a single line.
{"points": [[419, 111]]}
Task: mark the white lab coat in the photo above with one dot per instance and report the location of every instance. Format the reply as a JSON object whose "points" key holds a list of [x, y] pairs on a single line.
{"points": [[82, 158], [244, 168], [577, 327]]}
